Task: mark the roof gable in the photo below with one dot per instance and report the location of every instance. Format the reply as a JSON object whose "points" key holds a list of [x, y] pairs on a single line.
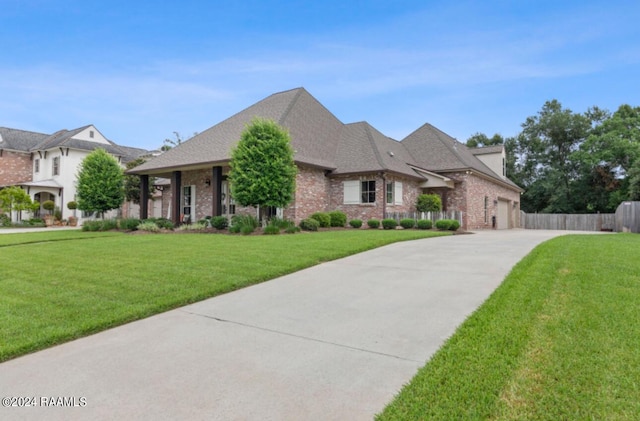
{"points": [[313, 129], [434, 149], [362, 148], [80, 139]]}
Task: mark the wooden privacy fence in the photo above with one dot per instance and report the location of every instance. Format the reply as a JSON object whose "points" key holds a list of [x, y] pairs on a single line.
{"points": [[571, 222]]}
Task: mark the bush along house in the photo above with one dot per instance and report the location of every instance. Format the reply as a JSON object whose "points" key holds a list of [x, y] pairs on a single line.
{"points": [[349, 167]]}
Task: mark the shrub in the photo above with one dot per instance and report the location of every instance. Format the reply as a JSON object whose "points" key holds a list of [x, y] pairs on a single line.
{"points": [[271, 230], [443, 224], [309, 224], [338, 218], [373, 223], [219, 222], [100, 225], [355, 223], [72, 205], [323, 218], [407, 223], [129, 224], [5, 221], [148, 226], [281, 223], [292, 229], [206, 222], [454, 225], [49, 205], [91, 226], [429, 203], [246, 229], [389, 223], [57, 214], [164, 223], [244, 224], [424, 224], [109, 224], [192, 227]]}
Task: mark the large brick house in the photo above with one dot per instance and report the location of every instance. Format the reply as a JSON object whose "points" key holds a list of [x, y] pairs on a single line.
{"points": [[350, 167], [46, 165]]}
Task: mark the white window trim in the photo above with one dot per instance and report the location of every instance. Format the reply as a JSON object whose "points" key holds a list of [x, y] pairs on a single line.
{"points": [[351, 192], [397, 193], [54, 173], [192, 203]]}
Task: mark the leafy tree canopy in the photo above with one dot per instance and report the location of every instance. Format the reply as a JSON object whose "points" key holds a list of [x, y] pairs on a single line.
{"points": [[132, 182], [571, 162], [14, 198], [263, 171], [479, 140], [100, 183], [429, 203]]}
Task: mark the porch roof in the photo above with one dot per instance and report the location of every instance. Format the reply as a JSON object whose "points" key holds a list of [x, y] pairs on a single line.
{"points": [[52, 184]]}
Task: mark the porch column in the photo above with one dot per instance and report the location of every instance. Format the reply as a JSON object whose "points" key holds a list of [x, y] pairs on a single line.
{"points": [[216, 183], [144, 196], [176, 192]]}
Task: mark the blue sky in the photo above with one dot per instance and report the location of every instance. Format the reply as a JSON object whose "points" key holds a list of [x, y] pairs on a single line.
{"points": [[140, 70]]}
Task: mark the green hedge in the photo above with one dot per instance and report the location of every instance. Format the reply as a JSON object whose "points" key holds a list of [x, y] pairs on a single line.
{"points": [[323, 219], [373, 223], [309, 224], [424, 224], [338, 218], [407, 223], [389, 224], [356, 223]]}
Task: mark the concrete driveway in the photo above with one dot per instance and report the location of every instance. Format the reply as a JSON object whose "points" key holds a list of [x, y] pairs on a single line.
{"points": [[333, 342]]}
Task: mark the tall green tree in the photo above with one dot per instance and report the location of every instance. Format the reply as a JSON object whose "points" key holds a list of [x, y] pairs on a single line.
{"points": [[263, 171], [14, 198], [132, 182], [100, 183], [608, 157], [544, 150]]}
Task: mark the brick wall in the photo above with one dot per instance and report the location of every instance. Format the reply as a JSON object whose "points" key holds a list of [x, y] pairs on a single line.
{"points": [[312, 194], [204, 193], [469, 197], [15, 168]]}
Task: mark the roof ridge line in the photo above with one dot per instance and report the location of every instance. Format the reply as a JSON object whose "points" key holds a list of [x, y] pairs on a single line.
{"points": [[373, 145], [290, 107]]}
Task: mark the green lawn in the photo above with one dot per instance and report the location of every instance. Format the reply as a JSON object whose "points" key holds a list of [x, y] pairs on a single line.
{"points": [[56, 286], [558, 340]]}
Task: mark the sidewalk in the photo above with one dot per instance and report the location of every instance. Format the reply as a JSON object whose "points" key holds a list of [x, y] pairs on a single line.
{"points": [[333, 342]]}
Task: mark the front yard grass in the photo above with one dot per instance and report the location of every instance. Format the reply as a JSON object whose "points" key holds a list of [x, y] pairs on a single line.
{"points": [[558, 340], [59, 286]]}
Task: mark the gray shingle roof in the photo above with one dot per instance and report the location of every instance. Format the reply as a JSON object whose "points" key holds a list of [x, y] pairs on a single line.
{"points": [[362, 148], [313, 129], [320, 139], [20, 140], [486, 150], [26, 141], [435, 150]]}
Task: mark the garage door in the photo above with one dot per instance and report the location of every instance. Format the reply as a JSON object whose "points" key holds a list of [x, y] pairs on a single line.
{"points": [[503, 215]]}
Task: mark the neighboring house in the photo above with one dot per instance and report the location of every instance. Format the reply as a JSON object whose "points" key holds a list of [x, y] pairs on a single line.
{"points": [[46, 166], [350, 167]]}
